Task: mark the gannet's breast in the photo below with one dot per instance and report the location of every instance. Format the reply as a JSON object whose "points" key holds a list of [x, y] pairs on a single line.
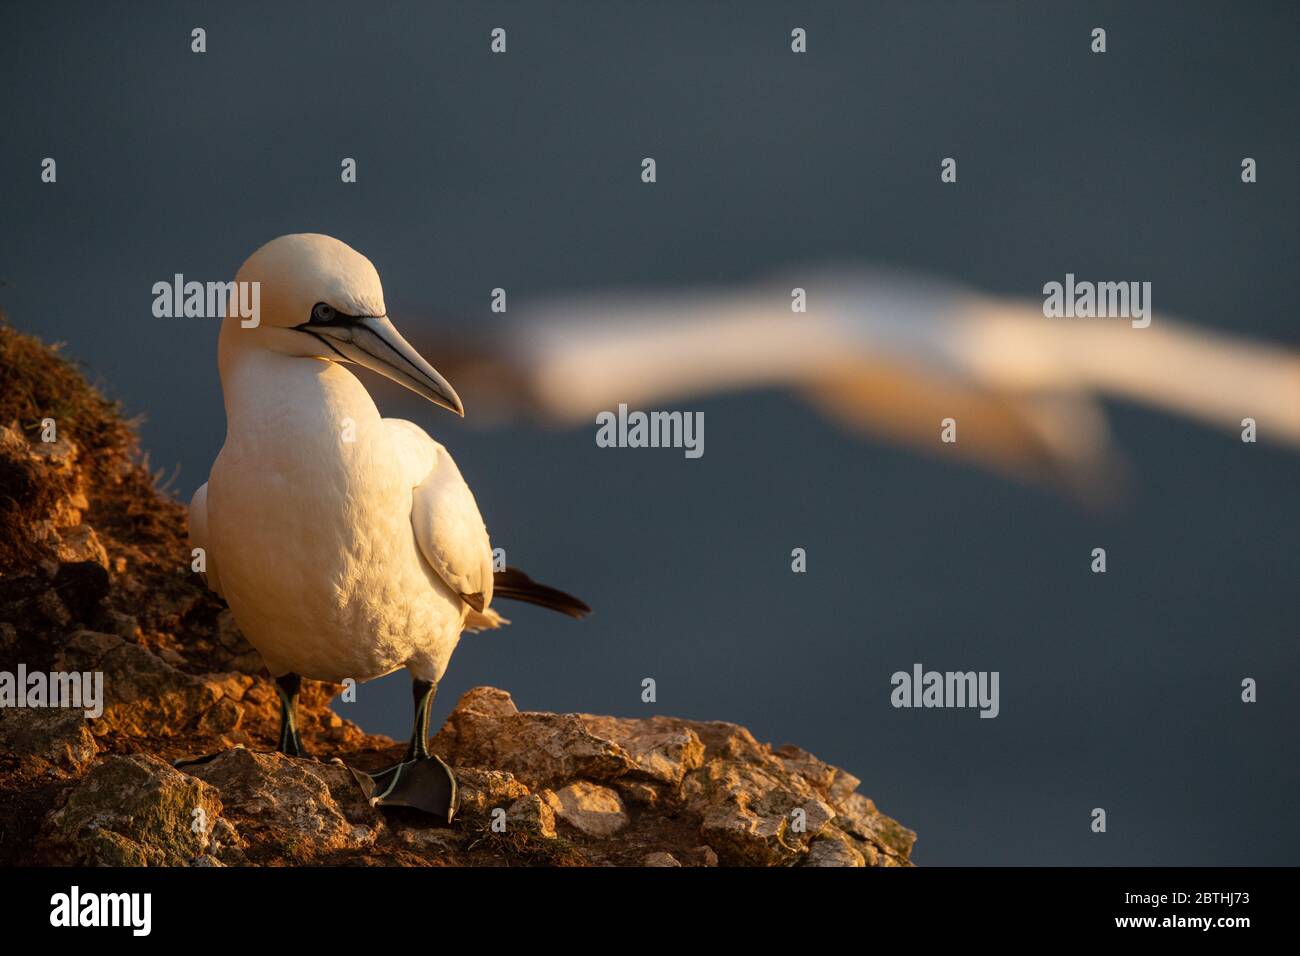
{"points": [[309, 513]]}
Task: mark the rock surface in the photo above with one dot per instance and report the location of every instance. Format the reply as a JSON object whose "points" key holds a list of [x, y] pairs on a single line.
{"points": [[133, 811], [590, 809], [95, 577]]}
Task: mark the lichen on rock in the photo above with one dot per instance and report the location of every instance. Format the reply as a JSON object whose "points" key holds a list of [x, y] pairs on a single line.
{"points": [[133, 811]]}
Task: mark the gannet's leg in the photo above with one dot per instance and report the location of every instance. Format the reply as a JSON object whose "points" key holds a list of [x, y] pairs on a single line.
{"points": [[422, 694], [422, 780], [290, 743], [287, 687]]}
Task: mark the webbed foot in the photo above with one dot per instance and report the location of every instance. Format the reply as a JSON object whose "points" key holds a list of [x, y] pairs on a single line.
{"points": [[425, 783], [422, 780]]}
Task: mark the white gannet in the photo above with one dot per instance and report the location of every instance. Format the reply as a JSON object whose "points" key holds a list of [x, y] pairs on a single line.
{"points": [[346, 544], [884, 352]]}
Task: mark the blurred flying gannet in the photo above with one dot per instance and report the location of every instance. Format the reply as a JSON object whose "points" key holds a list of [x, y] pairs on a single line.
{"points": [[347, 545], [887, 353]]}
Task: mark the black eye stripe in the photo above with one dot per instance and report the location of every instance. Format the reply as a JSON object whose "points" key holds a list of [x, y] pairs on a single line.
{"points": [[322, 313]]}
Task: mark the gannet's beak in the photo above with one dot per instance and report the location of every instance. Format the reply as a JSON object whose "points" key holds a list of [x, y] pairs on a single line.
{"points": [[372, 341]]}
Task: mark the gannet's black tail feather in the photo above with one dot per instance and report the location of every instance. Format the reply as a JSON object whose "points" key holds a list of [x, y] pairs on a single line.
{"points": [[517, 586]]}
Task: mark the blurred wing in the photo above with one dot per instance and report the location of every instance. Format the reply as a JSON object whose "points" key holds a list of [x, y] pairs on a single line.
{"points": [[1216, 378], [1062, 439], [881, 354], [889, 354]]}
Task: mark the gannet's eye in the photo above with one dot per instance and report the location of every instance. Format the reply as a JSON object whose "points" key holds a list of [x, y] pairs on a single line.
{"points": [[322, 313]]}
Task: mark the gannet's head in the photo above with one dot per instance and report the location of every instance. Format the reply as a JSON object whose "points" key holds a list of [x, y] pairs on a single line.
{"points": [[322, 299]]}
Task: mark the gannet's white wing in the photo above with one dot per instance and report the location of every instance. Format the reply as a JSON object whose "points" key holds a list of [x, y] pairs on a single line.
{"points": [[894, 365], [445, 518], [890, 354], [198, 529]]}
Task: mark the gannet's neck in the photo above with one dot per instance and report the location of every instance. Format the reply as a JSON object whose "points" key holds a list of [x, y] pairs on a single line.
{"points": [[290, 398]]}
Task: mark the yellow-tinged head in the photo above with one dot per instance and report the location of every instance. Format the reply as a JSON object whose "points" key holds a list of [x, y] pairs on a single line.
{"points": [[321, 299]]}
